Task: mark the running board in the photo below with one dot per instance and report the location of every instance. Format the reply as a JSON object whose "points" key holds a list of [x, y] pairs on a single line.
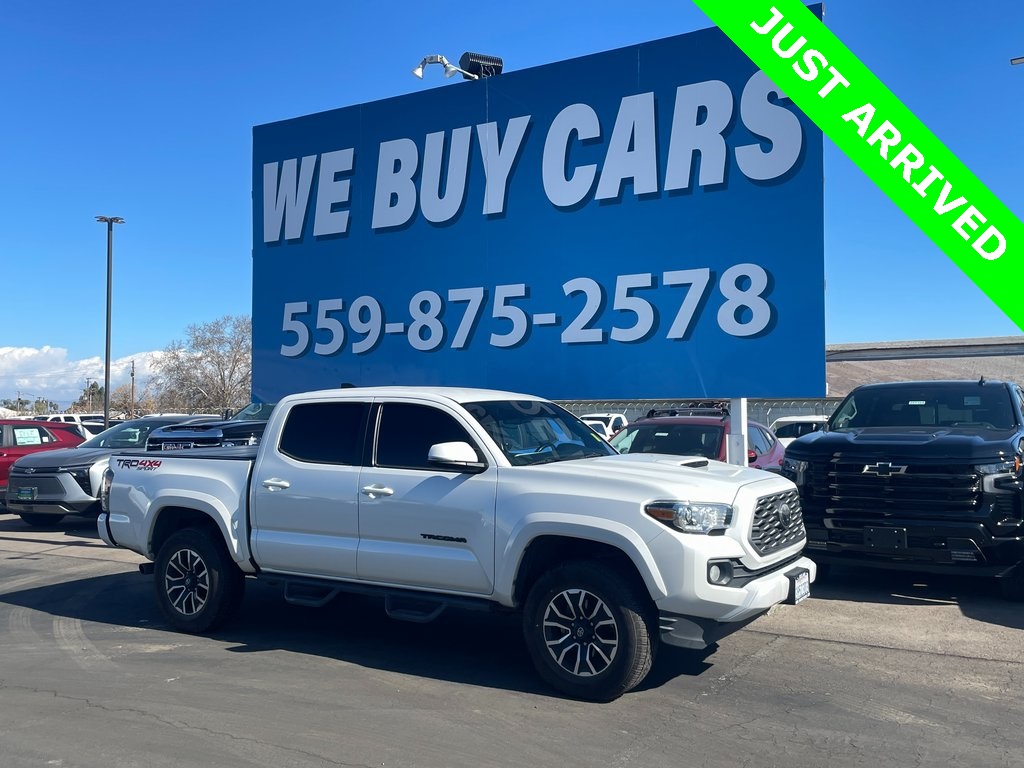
{"points": [[309, 595], [418, 610]]}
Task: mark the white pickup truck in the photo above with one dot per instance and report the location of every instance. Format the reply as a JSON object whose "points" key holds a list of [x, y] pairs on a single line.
{"points": [[445, 497]]}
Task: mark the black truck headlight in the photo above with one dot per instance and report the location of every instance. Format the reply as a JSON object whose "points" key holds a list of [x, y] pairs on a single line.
{"points": [[795, 470], [1002, 467]]}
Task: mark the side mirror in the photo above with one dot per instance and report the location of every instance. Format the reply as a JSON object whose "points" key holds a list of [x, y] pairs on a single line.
{"points": [[455, 457], [751, 455]]}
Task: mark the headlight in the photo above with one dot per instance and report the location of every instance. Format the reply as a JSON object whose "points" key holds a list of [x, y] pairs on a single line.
{"points": [[1011, 466], [691, 516], [795, 469]]}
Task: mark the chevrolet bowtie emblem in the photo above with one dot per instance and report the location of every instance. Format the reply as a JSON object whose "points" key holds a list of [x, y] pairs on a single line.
{"points": [[884, 469]]}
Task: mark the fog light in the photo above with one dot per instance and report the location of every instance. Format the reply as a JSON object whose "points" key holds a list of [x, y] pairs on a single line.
{"points": [[720, 573]]}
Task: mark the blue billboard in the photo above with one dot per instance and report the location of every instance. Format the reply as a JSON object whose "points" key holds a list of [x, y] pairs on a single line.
{"points": [[640, 223]]}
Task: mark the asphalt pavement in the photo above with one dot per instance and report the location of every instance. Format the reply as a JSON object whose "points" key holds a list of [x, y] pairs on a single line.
{"points": [[875, 669]]}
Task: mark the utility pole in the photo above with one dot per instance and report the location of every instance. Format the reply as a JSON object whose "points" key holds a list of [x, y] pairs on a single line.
{"points": [[88, 388], [131, 414]]}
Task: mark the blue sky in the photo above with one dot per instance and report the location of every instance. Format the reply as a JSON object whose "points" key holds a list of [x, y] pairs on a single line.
{"points": [[145, 111]]}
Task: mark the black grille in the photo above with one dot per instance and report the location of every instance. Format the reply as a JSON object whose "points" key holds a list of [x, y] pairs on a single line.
{"points": [[873, 488], [778, 522], [45, 486]]}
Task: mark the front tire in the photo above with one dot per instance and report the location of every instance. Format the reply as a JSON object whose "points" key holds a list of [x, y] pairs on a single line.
{"points": [[1012, 587], [589, 631], [197, 584]]}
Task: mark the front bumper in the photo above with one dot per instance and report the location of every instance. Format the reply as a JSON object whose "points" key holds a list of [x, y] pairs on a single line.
{"points": [[932, 546], [735, 606], [55, 494]]}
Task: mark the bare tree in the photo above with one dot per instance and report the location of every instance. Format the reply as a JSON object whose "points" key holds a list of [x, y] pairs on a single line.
{"points": [[211, 371]]}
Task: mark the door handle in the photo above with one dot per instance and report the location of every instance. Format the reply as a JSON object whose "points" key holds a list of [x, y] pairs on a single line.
{"points": [[275, 484], [375, 490]]}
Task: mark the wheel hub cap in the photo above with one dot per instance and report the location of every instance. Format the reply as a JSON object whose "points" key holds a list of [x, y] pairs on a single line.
{"points": [[187, 582], [580, 632]]}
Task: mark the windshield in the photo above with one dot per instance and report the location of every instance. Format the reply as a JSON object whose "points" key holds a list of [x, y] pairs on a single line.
{"points": [[972, 405], [537, 432], [128, 434], [676, 439], [254, 412], [798, 428]]}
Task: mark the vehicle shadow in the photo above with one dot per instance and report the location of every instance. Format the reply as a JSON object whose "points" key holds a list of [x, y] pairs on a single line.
{"points": [[481, 649], [71, 527], [977, 598]]}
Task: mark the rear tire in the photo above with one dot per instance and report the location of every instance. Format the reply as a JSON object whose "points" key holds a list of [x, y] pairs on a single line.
{"points": [[589, 631], [37, 520], [197, 584]]}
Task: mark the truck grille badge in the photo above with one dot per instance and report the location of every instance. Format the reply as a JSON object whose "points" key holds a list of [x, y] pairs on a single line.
{"points": [[884, 469]]}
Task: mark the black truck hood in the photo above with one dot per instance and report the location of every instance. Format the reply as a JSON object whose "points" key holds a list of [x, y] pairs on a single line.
{"points": [[208, 433], [922, 444]]}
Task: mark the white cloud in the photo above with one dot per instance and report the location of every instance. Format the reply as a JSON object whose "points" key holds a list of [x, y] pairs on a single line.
{"points": [[48, 373]]}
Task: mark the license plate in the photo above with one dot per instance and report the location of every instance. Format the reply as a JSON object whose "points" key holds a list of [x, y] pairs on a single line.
{"points": [[888, 539], [177, 446], [27, 494], [799, 585]]}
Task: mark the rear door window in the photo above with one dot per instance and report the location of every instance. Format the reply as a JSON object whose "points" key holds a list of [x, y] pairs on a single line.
{"points": [[325, 433]]}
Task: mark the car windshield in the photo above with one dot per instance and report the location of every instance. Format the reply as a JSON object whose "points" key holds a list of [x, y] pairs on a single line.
{"points": [[537, 432], [128, 434], [973, 406], [798, 428], [254, 412], [677, 439]]}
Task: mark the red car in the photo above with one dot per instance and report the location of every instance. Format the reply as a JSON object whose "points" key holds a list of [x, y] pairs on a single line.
{"points": [[19, 437], [698, 432]]}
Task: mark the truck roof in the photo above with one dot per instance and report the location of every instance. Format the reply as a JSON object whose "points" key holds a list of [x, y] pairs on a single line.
{"points": [[453, 394], [951, 383]]}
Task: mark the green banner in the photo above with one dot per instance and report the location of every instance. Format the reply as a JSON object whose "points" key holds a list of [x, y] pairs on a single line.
{"points": [[895, 149]]}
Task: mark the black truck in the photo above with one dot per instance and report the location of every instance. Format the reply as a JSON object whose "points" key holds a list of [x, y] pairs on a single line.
{"points": [[919, 475], [244, 428]]}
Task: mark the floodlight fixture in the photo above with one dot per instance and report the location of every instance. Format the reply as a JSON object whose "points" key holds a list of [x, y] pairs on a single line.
{"points": [[472, 66], [1017, 60], [449, 68], [480, 64]]}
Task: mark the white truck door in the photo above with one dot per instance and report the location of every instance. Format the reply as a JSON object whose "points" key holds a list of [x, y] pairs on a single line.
{"points": [[418, 525], [305, 497]]}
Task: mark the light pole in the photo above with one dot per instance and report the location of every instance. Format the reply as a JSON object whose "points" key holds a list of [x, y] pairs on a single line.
{"points": [[110, 222]]}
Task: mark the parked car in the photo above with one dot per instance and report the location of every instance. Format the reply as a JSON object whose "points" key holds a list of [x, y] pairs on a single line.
{"points": [[600, 427], [789, 428], [613, 422], [244, 428], [20, 437], [698, 431], [44, 487]]}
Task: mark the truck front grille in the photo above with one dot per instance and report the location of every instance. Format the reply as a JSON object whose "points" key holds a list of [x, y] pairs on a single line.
{"points": [[873, 488], [778, 522]]}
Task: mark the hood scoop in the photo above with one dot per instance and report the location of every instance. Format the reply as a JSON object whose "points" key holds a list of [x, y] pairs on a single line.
{"points": [[698, 462]]}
